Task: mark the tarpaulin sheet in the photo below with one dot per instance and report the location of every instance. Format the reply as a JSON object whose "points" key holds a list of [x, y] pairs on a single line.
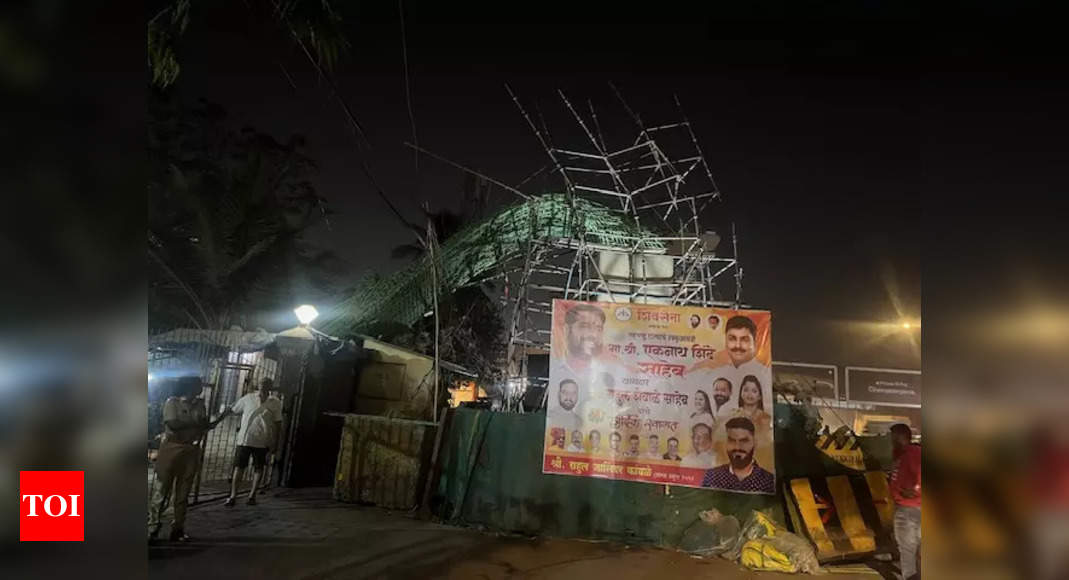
{"points": [[491, 475]]}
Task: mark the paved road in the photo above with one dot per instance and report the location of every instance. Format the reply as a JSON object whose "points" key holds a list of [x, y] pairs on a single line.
{"points": [[303, 534]]}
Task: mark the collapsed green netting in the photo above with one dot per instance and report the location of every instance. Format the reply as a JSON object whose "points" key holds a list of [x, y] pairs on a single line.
{"points": [[479, 251]]}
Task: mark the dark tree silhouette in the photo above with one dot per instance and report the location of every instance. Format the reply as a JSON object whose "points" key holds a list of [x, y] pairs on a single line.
{"points": [[472, 329], [313, 25], [228, 214]]}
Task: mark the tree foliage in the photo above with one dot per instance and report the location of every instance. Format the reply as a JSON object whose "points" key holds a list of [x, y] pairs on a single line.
{"points": [[447, 222], [228, 214], [472, 332], [314, 25]]}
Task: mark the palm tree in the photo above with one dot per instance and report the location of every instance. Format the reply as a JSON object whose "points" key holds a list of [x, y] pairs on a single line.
{"points": [[446, 222], [227, 214], [467, 321]]}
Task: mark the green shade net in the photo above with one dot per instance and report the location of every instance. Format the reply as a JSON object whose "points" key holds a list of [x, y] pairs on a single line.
{"points": [[479, 251]]}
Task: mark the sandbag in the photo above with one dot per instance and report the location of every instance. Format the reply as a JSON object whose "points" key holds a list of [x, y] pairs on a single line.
{"points": [[765, 545], [758, 525], [760, 554]]}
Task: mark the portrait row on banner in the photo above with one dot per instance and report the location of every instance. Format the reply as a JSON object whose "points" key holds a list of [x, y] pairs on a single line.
{"points": [[677, 395]]}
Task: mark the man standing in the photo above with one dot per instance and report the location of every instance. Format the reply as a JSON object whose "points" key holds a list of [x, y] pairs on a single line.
{"points": [[905, 483], [701, 436], [261, 422], [184, 423], [741, 473]]}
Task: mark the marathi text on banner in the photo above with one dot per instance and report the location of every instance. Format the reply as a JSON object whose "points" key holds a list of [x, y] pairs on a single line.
{"points": [[662, 394]]}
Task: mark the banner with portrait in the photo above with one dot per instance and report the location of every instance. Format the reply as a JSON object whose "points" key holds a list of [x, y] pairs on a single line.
{"points": [[678, 395]]}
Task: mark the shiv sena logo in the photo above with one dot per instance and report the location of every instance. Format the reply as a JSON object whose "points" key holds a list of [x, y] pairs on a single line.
{"points": [[596, 416]]}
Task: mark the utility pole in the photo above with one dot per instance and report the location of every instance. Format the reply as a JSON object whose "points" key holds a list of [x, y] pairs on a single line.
{"points": [[431, 248]]}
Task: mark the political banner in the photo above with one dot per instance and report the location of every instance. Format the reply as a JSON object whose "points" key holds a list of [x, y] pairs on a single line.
{"points": [[677, 395], [889, 387], [807, 379]]}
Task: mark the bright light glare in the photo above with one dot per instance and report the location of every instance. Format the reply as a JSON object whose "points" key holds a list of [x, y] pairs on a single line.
{"points": [[306, 313], [907, 325], [151, 376]]}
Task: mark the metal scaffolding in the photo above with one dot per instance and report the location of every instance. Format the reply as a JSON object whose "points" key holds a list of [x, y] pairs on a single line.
{"points": [[651, 181], [626, 228]]}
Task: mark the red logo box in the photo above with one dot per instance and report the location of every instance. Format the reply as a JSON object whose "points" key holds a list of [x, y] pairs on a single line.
{"points": [[52, 506]]}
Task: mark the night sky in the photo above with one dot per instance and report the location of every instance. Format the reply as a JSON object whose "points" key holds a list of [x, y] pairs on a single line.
{"points": [[821, 134]]}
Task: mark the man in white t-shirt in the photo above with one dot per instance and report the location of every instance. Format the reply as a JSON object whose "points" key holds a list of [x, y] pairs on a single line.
{"points": [[261, 422]]}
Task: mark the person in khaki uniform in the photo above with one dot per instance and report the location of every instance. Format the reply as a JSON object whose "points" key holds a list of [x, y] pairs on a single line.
{"points": [[185, 422]]}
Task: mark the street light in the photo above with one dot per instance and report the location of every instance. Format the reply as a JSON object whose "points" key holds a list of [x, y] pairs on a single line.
{"points": [[306, 313]]}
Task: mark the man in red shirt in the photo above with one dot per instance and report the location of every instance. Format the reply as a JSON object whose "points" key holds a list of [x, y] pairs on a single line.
{"points": [[905, 483]]}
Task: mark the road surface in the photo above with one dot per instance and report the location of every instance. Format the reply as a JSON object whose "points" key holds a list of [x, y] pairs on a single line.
{"points": [[304, 534]]}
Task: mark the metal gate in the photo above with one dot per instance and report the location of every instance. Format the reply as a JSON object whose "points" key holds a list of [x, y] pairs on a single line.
{"points": [[230, 363]]}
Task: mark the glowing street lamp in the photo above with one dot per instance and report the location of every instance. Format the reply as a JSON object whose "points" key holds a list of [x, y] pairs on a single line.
{"points": [[306, 313]]}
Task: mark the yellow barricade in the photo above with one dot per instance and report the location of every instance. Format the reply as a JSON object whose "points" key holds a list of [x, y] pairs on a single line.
{"points": [[844, 516]]}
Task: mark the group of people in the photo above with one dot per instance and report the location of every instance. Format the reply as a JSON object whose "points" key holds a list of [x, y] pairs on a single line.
{"points": [[592, 445], [740, 473], [733, 429], [713, 321], [185, 424], [750, 402]]}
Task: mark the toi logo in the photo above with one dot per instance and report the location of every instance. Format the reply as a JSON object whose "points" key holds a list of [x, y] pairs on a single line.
{"points": [[51, 506]]}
